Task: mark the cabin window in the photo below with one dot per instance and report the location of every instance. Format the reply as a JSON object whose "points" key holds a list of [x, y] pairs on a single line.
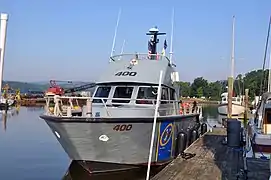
{"points": [[268, 118], [164, 96], [102, 92], [171, 94], [148, 93], [122, 92]]}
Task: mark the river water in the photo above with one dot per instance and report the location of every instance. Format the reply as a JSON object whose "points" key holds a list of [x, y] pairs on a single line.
{"points": [[29, 150]]}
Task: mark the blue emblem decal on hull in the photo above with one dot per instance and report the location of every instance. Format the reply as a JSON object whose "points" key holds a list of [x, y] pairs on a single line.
{"points": [[165, 141]]}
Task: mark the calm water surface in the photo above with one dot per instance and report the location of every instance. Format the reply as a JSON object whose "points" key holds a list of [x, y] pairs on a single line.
{"points": [[29, 151]]}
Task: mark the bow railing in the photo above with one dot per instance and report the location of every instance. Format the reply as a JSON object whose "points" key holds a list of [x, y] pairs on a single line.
{"points": [[66, 106]]}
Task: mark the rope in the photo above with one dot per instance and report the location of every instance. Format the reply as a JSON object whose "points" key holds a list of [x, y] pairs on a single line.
{"points": [[187, 156]]}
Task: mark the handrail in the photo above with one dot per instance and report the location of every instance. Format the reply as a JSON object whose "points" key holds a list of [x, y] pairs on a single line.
{"points": [[107, 112], [58, 109], [101, 98], [140, 56]]}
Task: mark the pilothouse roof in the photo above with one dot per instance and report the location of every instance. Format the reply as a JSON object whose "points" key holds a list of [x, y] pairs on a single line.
{"points": [[140, 68], [130, 69]]}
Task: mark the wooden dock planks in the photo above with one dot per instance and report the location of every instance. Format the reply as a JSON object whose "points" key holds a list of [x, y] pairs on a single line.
{"points": [[213, 161]]}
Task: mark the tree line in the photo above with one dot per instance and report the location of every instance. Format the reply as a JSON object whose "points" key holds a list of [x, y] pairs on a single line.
{"points": [[201, 87]]}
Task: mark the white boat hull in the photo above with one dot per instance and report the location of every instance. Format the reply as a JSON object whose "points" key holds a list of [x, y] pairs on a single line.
{"points": [[258, 145], [236, 109]]}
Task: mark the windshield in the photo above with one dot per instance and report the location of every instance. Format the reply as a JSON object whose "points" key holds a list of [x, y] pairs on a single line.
{"points": [[123, 92], [268, 117], [102, 92], [147, 93]]}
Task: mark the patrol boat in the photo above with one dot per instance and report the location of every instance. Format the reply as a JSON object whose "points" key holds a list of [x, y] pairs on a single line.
{"points": [[116, 124]]}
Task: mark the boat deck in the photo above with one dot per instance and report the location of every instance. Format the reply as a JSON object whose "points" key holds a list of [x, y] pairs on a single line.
{"points": [[213, 161]]}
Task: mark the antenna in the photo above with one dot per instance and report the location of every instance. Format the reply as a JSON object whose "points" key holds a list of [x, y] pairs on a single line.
{"points": [[269, 75], [263, 81], [171, 38], [114, 39], [122, 48], [232, 55]]}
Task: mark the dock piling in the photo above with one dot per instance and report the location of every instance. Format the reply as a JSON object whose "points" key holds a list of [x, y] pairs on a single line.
{"points": [[89, 108]]}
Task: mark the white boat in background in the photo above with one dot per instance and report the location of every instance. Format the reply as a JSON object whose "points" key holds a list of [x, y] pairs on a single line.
{"points": [[6, 102], [237, 105]]}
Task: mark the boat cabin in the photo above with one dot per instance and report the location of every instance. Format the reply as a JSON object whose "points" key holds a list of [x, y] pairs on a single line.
{"points": [[235, 100], [131, 81], [262, 108], [128, 86], [133, 94], [266, 124]]}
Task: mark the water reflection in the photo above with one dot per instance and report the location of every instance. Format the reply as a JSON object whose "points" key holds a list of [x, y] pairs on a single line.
{"points": [[210, 111], [9, 113], [35, 108], [28, 149], [84, 171], [4, 119]]}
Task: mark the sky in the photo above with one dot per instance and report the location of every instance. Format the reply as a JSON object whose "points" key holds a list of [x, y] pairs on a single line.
{"points": [[72, 40]]}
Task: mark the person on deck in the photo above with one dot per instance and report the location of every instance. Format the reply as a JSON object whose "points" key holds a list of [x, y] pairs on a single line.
{"points": [[194, 108]]}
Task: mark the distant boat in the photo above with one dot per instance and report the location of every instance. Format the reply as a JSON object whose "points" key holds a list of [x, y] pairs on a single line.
{"points": [[6, 100], [237, 105], [5, 103]]}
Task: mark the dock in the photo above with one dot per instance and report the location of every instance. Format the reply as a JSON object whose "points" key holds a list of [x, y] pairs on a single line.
{"points": [[213, 160]]}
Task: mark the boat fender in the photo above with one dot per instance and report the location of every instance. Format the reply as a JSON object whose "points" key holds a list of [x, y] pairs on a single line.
{"points": [[189, 132], [194, 135], [203, 128], [197, 126], [181, 143]]}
